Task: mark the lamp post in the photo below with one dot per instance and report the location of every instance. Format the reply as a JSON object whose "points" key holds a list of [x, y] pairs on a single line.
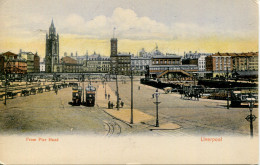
{"points": [[117, 94], [83, 79], [105, 89], [132, 104], [250, 118], [7, 70], [156, 94]]}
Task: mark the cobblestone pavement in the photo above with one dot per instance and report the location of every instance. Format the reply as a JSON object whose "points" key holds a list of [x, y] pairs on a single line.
{"points": [[203, 117]]}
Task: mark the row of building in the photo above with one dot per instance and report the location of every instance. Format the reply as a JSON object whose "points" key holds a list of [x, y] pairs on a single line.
{"points": [[21, 63]]}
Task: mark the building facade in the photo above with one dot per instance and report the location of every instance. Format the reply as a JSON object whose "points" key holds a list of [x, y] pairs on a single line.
{"points": [[98, 63], [29, 57], [14, 63], [166, 60], [202, 63], [52, 51], [70, 65], [219, 64], [139, 64], [245, 61], [36, 63], [42, 66]]}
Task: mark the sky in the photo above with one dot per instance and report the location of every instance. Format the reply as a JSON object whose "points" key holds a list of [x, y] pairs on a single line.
{"points": [[87, 25]]}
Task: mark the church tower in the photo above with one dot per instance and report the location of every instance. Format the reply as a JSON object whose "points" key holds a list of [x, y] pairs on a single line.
{"points": [[52, 49]]}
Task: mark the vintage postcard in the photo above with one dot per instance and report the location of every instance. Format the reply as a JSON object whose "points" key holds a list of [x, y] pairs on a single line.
{"points": [[129, 82]]}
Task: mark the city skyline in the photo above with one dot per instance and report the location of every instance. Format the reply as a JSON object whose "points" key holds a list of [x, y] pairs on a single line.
{"points": [[175, 26]]}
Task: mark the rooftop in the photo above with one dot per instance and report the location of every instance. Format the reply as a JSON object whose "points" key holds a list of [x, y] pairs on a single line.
{"points": [[167, 57], [8, 54]]}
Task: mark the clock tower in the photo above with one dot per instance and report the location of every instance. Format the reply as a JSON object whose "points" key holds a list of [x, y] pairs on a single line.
{"points": [[113, 47]]}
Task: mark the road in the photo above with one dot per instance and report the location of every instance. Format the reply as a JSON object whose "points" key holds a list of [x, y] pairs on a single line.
{"points": [[50, 113], [203, 117]]}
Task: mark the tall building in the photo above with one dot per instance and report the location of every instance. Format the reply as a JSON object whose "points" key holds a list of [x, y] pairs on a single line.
{"points": [[52, 51], [113, 56], [113, 47], [219, 64], [36, 63]]}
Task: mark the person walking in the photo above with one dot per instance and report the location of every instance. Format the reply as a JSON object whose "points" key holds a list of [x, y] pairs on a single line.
{"points": [[109, 105], [122, 104]]}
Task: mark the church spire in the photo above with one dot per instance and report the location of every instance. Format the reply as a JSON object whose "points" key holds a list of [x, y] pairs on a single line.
{"points": [[52, 30]]}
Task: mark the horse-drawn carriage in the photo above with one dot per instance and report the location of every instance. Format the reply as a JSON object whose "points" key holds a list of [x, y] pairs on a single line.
{"points": [[33, 91], [25, 92], [10, 94], [47, 88], [40, 90], [192, 91]]}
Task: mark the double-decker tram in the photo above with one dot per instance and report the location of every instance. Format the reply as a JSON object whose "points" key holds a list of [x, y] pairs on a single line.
{"points": [[90, 95]]}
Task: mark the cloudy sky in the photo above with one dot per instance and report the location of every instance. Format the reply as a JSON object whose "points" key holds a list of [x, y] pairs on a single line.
{"points": [[87, 25]]}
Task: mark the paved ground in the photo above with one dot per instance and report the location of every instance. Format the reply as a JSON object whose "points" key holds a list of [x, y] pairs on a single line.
{"points": [[51, 113], [204, 117]]}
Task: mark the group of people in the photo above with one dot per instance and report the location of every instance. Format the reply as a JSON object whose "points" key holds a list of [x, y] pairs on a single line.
{"points": [[107, 96], [111, 105]]}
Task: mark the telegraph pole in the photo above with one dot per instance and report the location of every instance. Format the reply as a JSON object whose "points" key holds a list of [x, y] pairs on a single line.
{"points": [[117, 94], [83, 79], [227, 90]]}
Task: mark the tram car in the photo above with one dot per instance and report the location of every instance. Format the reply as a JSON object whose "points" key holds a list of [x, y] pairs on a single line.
{"points": [[239, 97], [76, 95], [90, 95]]}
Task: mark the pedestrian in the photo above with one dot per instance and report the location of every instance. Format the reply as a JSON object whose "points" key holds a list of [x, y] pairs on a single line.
{"points": [[56, 91], [112, 105], [122, 104], [108, 96], [109, 105]]}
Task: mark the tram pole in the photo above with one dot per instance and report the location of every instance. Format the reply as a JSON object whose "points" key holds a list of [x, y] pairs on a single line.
{"points": [[5, 87], [132, 104], [117, 95], [83, 79]]}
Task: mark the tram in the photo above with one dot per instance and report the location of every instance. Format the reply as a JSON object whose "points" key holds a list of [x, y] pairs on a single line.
{"points": [[76, 95], [239, 97], [90, 95]]}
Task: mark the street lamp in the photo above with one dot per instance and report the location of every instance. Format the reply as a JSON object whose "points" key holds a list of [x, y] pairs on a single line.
{"points": [[228, 91], [250, 118], [156, 94], [105, 89], [7, 71], [132, 104], [83, 80]]}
